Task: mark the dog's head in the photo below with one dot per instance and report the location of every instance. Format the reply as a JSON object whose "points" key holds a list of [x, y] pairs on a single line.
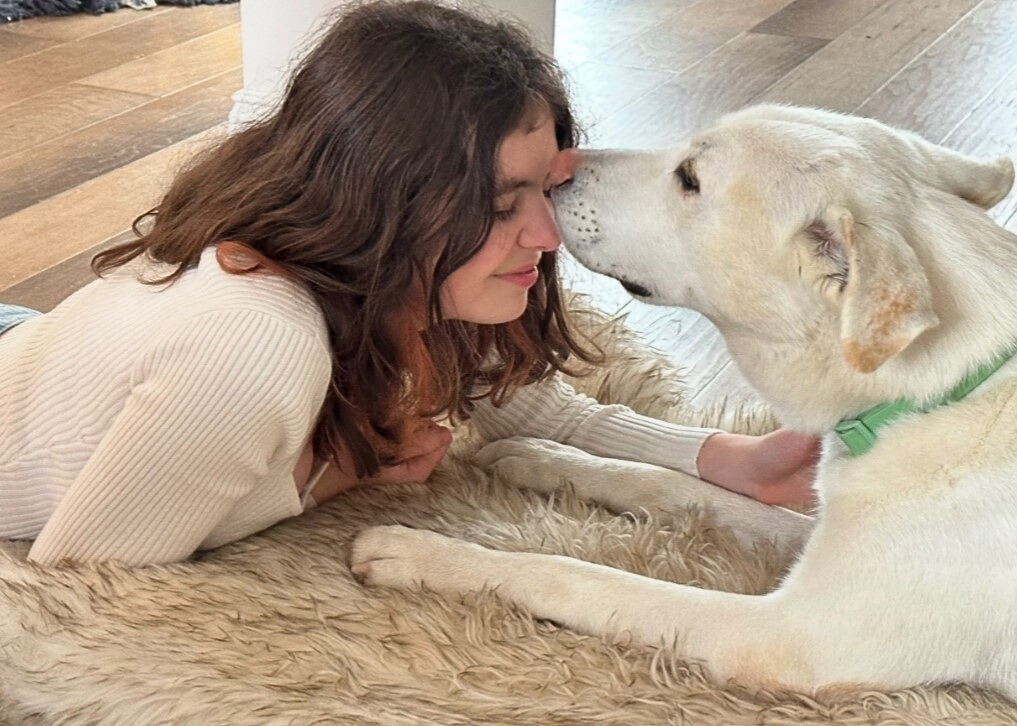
{"points": [[793, 230]]}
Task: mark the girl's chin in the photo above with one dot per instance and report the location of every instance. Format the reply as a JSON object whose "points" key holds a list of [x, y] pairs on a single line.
{"points": [[489, 317]]}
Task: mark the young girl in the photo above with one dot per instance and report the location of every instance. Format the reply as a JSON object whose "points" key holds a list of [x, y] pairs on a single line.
{"points": [[310, 294]]}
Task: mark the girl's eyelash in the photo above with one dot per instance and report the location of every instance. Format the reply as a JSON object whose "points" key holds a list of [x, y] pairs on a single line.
{"points": [[505, 214]]}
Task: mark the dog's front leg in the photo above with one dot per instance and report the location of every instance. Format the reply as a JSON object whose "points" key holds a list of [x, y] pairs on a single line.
{"points": [[633, 487], [744, 637]]}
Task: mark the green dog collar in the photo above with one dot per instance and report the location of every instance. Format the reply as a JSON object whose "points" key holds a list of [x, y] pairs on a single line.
{"points": [[860, 433]]}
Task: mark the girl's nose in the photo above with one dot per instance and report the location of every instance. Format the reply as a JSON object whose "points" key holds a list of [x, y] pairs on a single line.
{"points": [[563, 166]]}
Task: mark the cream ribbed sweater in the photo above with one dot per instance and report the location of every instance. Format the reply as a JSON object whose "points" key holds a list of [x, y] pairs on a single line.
{"points": [[142, 423]]}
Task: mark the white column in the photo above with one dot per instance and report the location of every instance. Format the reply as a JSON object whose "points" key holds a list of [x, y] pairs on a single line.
{"points": [[275, 34], [536, 15]]}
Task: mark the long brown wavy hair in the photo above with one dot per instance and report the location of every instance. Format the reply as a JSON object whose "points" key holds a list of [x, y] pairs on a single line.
{"points": [[375, 178]]}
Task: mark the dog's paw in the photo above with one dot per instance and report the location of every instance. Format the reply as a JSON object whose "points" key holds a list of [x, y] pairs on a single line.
{"points": [[406, 558], [532, 463]]}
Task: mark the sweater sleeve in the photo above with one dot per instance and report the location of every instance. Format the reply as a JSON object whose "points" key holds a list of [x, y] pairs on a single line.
{"points": [[554, 410], [216, 409]]}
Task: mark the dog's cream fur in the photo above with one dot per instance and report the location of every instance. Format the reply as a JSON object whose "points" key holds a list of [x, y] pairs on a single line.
{"points": [[846, 264]]}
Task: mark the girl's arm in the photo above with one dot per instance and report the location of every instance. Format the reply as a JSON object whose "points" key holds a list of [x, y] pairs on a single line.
{"points": [[777, 469]]}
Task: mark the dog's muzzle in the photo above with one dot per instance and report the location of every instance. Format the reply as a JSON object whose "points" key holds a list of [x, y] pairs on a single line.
{"points": [[576, 218]]}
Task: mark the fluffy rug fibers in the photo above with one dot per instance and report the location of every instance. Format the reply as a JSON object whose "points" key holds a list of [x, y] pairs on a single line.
{"points": [[274, 629]]}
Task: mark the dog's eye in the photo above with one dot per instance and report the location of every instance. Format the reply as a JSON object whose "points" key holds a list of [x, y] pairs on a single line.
{"points": [[687, 177]]}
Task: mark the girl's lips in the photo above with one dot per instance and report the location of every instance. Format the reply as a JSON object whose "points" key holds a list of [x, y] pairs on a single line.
{"points": [[522, 278]]}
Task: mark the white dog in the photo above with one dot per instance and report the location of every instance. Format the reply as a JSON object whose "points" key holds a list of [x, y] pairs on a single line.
{"points": [[848, 265]]}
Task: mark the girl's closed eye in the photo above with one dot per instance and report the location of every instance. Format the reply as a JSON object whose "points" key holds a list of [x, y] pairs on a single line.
{"points": [[504, 215]]}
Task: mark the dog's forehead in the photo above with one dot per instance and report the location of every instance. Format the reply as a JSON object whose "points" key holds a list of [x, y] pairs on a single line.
{"points": [[703, 146], [770, 135], [738, 149], [786, 154], [702, 143]]}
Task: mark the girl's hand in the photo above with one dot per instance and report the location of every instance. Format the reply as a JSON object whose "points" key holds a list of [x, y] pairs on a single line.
{"points": [[415, 459], [778, 468]]}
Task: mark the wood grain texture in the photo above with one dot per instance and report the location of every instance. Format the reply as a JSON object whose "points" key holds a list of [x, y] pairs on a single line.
{"points": [[51, 168], [60, 227], [686, 37], [48, 288], [174, 68], [935, 92], [670, 114], [69, 62], [15, 45], [859, 61], [817, 18], [65, 28], [50, 115], [607, 88], [588, 29]]}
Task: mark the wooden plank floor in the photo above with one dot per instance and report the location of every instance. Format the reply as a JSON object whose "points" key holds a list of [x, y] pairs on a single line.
{"points": [[96, 112]]}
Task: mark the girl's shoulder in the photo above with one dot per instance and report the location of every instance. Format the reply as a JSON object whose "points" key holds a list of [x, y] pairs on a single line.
{"points": [[270, 293], [209, 291], [126, 318]]}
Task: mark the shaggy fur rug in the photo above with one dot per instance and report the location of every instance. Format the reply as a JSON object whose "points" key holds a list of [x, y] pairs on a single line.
{"points": [[11, 10], [274, 629]]}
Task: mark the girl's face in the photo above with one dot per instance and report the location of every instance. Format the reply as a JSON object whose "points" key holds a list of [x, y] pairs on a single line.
{"points": [[492, 286]]}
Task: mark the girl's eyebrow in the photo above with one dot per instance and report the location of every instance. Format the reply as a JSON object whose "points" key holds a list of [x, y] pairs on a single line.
{"points": [[507, 186]]}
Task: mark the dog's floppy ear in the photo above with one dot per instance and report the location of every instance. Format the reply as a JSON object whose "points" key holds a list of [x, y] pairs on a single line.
{"points": [[984, 182], [887, 301]]}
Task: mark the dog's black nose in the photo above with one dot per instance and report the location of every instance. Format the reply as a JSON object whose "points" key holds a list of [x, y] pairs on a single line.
{"points": [[634, 288]]}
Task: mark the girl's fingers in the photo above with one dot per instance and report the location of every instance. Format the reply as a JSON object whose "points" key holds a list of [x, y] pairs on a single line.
{"points": [[417, 468], [425, 441]]}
